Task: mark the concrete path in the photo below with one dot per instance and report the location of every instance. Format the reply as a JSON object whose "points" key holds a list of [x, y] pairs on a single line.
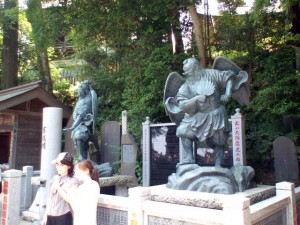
{"points": [[24, 222]]}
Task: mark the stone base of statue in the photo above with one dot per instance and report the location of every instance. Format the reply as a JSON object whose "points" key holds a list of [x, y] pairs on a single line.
{"points": [[193, 177], [161, 193]]}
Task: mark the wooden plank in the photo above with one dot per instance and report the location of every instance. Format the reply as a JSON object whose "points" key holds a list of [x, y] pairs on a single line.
{"points": [[6, 128], [6, 119]]}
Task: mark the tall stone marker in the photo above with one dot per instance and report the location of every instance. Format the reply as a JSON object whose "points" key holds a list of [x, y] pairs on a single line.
{"points": [[128, 152], [51, 147], [285, 160]]}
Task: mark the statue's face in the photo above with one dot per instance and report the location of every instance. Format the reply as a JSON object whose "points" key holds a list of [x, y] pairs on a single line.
{"points": [[82, 90], [188, 67]]}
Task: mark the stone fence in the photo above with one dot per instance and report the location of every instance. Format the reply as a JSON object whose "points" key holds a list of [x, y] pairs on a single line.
{"points": [[276, 205], [159, 205]]}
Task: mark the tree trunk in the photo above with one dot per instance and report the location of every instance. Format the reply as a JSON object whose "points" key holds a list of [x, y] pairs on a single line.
{"points": [[178, 45], [10, 47], [297, 49], [198, 30], [44, 69]]}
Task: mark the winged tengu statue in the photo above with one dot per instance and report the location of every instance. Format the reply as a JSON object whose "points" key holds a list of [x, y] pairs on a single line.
{"points": [[195, 105]]}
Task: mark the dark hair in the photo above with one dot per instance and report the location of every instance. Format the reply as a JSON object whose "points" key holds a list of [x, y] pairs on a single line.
{"points": [[68, 161], [87, 165]]}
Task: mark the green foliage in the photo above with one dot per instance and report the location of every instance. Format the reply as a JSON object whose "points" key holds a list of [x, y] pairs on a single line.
{"points": [[145, 89], [47, 24], [128, 53], [62, 89], [276, 83], [230, 6], [139, 171], [127, 47], [257, 43]]}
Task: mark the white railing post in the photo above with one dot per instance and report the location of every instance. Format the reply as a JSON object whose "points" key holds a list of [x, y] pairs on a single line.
{"points": [[237, 211], [137, 196], [288, 189], [27, 195]]}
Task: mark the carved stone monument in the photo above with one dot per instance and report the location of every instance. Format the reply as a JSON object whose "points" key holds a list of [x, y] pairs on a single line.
{"points": [[285, 160], [110, 143]]}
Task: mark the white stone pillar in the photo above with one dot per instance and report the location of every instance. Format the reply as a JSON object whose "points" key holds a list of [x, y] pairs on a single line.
{"points": [[11, 197], [137, 196], [146, 152], [288, 189], [238, 138], [237, 211], [51, 147], [28, 170], [124, 122]]}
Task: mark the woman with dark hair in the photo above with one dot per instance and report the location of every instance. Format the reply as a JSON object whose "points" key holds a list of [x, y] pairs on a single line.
{"points": [[58, 211], [84, 199]]}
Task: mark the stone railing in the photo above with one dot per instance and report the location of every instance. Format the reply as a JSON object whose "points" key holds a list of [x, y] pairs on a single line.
{"points": [[160, 205]]}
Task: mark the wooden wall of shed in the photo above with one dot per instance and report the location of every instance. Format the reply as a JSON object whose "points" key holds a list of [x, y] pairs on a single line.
{"points": [[6, 132], [28, 141]]}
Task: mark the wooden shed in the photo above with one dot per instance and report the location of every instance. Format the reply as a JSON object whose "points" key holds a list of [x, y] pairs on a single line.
{"points": [[21, 116]]}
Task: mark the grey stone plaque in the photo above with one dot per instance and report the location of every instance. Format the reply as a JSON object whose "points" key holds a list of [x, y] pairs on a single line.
{"points": [[127, 152]]}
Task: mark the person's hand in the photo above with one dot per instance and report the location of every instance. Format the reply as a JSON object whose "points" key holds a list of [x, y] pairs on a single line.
{"points": [[201, 98], [44, 221], [66, 129], [225, 98], [56, 184]]}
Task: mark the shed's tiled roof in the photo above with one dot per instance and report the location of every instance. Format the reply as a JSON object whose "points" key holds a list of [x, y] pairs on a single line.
{"points": [[17, 95]]}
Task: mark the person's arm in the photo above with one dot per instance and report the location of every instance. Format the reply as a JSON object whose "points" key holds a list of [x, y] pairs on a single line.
{"points": [[44, 220], [75, 124], [189, 106], [66, 192], [228, 91]]}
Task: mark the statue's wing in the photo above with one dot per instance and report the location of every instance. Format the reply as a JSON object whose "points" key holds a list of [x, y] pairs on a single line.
{"points": [[241, 91], [94, 108], [173, 83], [222, 63]]}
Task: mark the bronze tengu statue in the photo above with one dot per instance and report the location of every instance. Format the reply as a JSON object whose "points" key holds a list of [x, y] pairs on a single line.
{"points": [[196, 106]]}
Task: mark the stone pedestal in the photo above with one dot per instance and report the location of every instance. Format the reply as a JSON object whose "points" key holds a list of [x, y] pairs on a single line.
{"points": [[121, 183]]}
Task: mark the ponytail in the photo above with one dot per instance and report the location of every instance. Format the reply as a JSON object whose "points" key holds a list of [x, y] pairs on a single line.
{"points": [[87, 165], [94, 172]]}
